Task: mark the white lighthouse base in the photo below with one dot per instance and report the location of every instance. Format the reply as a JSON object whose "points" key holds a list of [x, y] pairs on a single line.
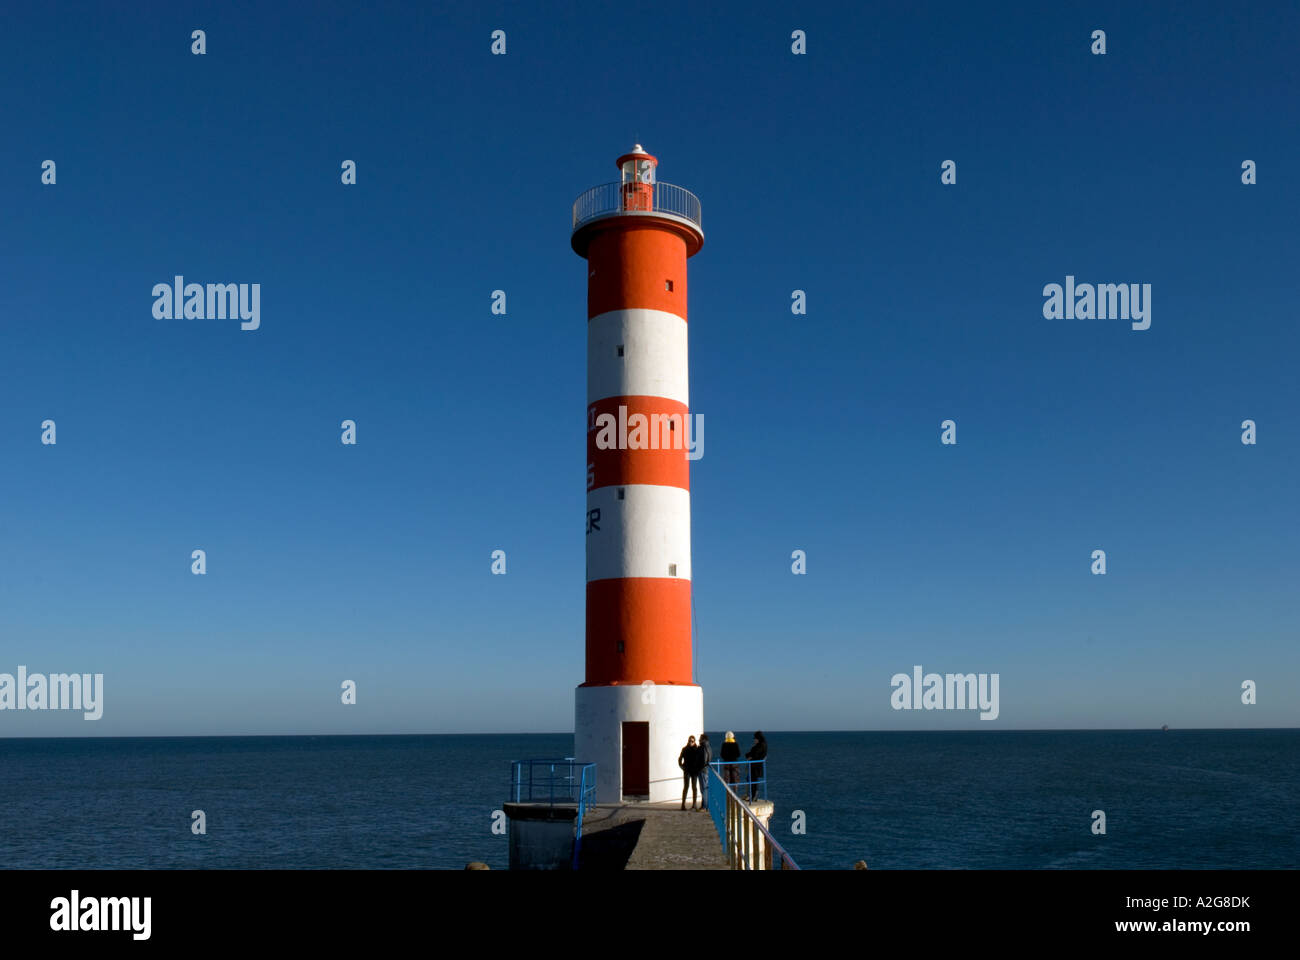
{"points": [[675, 713]]}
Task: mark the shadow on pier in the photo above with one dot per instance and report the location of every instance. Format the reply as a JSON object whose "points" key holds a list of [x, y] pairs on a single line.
{"points": [[648, 836]]}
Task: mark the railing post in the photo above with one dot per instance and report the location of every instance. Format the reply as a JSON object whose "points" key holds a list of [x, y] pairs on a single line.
{"points": [[731, 832], [726, 831], [749, 843], [744, 843], [742, 854], [737, 840], [740, 835]]}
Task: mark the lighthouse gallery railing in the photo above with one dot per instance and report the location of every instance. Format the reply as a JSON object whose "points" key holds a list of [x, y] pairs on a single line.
{"points": [[609, 199]]}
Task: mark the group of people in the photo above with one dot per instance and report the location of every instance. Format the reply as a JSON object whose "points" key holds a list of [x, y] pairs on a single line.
{"points": [[696, 757]]}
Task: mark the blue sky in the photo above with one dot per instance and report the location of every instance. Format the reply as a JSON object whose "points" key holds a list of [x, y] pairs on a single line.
{"points": [[817, 172]]}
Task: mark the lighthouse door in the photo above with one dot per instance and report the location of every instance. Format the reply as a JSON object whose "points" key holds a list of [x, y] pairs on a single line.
{"points": [[636, 759]]}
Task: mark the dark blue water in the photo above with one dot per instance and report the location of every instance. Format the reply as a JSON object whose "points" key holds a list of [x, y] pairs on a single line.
{"points": [[1182, 799]]}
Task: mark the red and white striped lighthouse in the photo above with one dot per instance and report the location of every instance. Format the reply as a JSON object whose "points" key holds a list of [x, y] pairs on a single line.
{"points": [[639, 702]]}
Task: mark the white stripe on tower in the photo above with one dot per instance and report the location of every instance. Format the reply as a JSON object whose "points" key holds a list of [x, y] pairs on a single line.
{"points": [[646, 534], [652, 361]]}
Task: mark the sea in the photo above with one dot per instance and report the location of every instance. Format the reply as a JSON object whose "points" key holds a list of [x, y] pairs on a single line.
{"points": [[1177, 799]]}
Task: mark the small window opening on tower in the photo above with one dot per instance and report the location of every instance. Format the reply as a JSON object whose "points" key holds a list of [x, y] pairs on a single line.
{"points": [[620, 349], [672, 569], [620, 493], [668, 285], [620, 646]]}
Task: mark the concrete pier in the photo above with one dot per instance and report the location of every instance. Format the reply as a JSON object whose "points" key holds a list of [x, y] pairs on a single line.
{"points": [[650, 836]]}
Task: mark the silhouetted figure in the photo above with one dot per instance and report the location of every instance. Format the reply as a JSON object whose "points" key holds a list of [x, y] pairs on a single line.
{"points": [[757, 753], [729, 755], [707, 749], [691, 760]]}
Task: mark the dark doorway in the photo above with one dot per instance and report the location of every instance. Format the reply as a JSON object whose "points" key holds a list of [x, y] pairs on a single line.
{"points": [[636, 759]]}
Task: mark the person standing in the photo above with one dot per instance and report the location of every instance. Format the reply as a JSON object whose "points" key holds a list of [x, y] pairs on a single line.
{"points": [[730, 754], [757, 754], [689, 762], [706, 758]]}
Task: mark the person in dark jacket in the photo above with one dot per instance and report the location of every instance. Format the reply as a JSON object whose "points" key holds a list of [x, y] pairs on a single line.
{"points": [[730, 754], [691, 762], [706, 751], [757, 754]]}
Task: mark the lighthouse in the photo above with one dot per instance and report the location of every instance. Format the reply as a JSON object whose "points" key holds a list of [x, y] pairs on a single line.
{"points": [[639, 701]]}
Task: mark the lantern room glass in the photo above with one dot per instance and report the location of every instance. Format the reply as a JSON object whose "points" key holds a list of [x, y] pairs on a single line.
{"points": [[638, 170]]}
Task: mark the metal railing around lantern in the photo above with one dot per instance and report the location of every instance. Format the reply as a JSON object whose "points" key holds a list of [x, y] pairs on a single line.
{"points": [[614, 199]]}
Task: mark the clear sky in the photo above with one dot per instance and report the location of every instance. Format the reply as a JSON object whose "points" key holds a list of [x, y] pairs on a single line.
{"points": [[818, 172]]}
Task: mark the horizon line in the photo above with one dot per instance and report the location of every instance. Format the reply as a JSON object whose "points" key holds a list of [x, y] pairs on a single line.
{"points": [[563, 733]]}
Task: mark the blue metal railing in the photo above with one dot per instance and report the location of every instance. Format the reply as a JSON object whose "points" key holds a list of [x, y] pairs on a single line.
{"points": [[747, 777], [746, 843], [718, 811], [556, 781]]}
